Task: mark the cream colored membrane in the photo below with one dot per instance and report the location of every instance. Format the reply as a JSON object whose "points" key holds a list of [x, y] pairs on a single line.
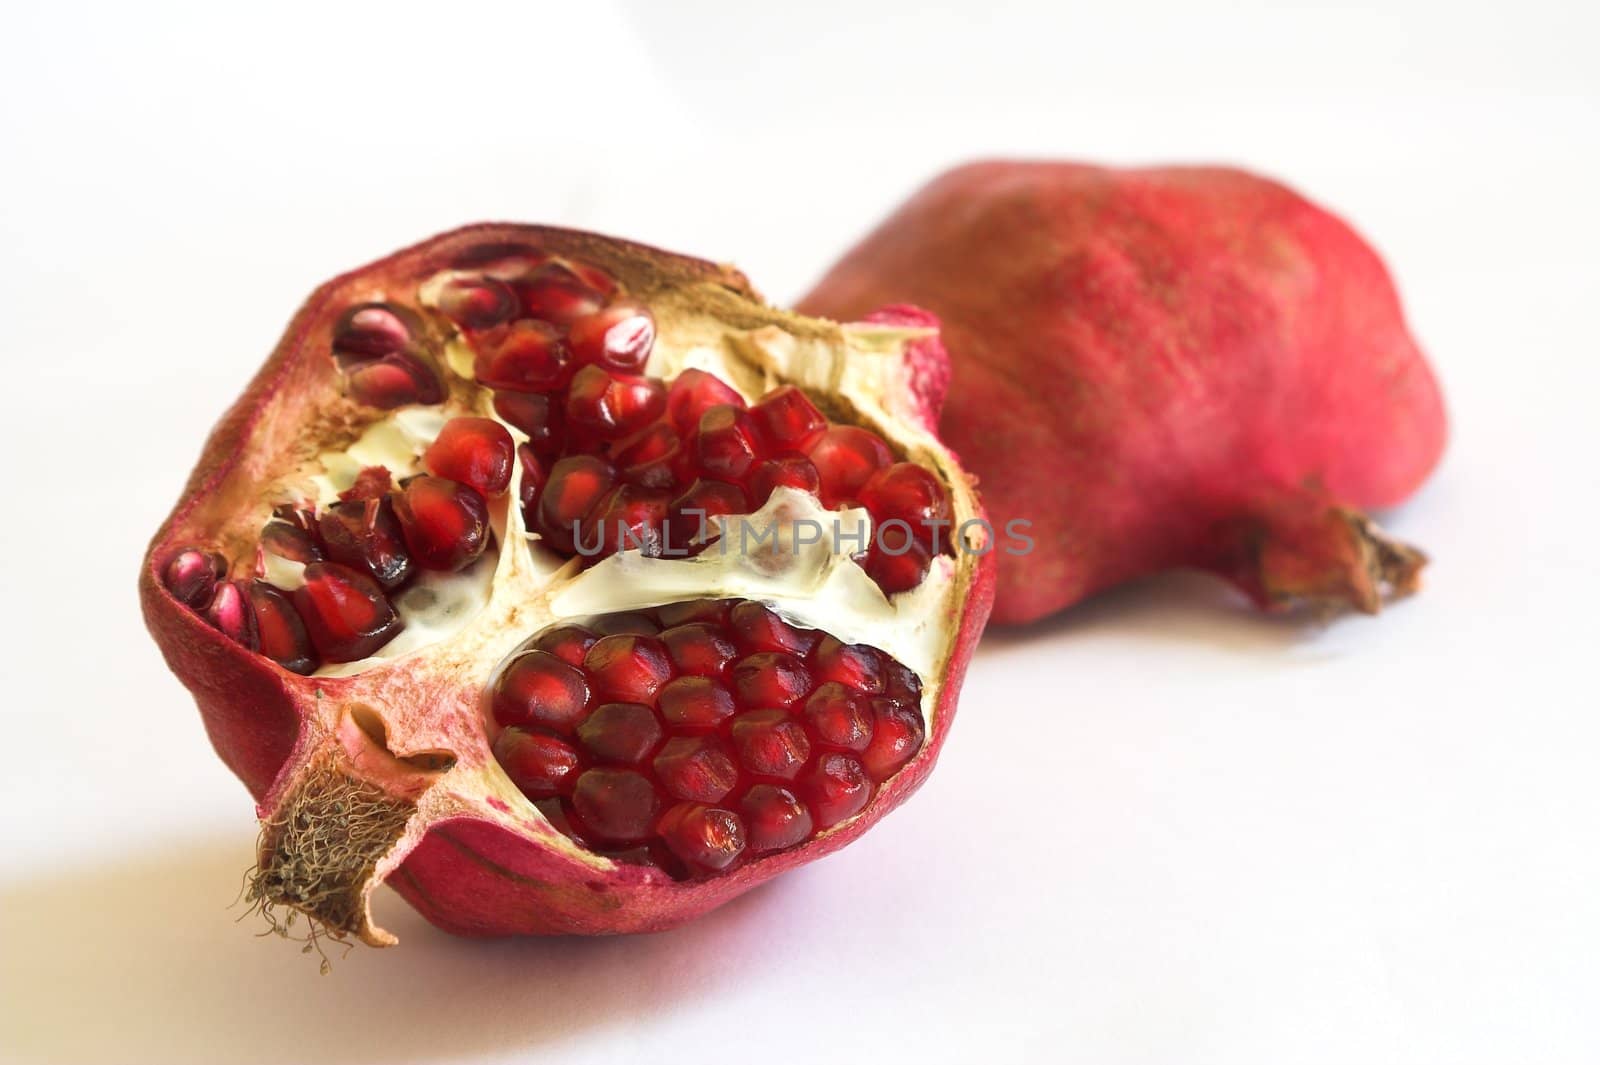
{"points": [[794, 555]]}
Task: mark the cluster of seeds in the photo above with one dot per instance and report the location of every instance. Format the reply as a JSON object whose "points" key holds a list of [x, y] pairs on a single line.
{"points": [[699, 735], [618, 460], [357, 553]]}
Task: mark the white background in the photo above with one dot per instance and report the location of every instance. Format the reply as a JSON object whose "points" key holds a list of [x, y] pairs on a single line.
{"points": [[1164, 829]]}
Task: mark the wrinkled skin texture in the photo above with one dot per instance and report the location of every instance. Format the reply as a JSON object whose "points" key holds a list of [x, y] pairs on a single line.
{"points": [[387, 775], [1163, 368]]}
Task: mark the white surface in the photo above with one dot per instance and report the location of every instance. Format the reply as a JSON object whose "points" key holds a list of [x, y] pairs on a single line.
{"points": [[1164, 830]]}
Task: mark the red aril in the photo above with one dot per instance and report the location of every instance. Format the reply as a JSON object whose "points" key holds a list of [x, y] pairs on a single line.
{"points": [[775, 818], [707, 839], [525, 356], [846, 458], [542, 766], [787, 421], [477, 302], [725, 446], [554, 293], [693, 393], [446, 524], [346, 613], [535, 416], [281, 632], [364, 535], [617, 338], [230, 614], [474, 451]]}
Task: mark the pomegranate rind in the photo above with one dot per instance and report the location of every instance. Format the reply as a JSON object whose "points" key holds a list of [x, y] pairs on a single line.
{"points": [[389, 769], [1158, 368]]}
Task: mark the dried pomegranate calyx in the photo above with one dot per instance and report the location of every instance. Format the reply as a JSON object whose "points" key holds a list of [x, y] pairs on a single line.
{"points": [[389, 765]]}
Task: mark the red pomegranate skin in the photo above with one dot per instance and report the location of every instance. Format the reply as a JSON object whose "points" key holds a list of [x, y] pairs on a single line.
{"points": [[463, 872], [1159, 368]]}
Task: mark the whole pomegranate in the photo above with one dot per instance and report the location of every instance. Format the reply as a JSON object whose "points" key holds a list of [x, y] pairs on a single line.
{"points": [[1163, 368], [566, 586]]}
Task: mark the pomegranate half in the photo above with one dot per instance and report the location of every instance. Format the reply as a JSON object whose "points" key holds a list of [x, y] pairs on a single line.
{"points": [[567, 587], [1188, 366]]}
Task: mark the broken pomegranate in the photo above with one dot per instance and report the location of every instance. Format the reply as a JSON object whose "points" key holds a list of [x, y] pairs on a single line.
{"points": [[539, 575], [1161, 368]]}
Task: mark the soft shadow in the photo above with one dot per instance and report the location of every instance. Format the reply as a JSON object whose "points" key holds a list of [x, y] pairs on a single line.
{"points": [[140, 960], [1180, 607]]}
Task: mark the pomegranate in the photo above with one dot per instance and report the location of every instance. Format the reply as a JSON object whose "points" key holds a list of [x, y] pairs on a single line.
{"points": [[535, 574], [1162, 368]]}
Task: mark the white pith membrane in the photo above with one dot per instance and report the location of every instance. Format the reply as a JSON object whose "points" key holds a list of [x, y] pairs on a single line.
{"points": [[469, 623]]}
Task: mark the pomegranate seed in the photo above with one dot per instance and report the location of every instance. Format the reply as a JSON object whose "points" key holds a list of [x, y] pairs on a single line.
{"points": [[477, 302], [615, 805], [694, 392], [724, 445], [835, 788], [770, 743], [776, 818], [839, 717], [695, 702], [770, 678], [897, 733], [474, 451], [522, 357], [535, 414], [791, 471], [907, 492], [846, 457], [617, 338], [230, 614], [346, 613], [787, 420], [290, 541], [691, 519], [567, 642], [854, 665], [629, 518], [282, 634], [652, 457], [575, 485], [532, 483], [628, 669], [541, 766], [553, 293], [625, 733], [896, 561], [696, 768], [540, 689], [708, 839], [903, 686], [365, 536], [611, 406], [396, 382], [756, 628], [372, 331], [192, 575], [446, 524], [650, 445], [699, 649]]}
